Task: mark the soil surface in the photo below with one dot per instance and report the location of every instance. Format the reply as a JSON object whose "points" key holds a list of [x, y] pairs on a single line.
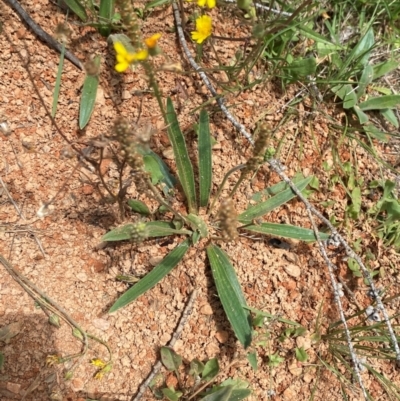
{"points": [[287, 279]]}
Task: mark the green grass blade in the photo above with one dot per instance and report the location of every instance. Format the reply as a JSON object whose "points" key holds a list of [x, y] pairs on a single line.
{"points": [[381, 69], [153, 228], [286, 231], [230, 294], [390, 116], [262, 208], [380, 103], [78, 9], [58, 82], [366, 78], [205, 159], [152, 278], [106, 12], [183, 163], [88, 99], [155, 3]]}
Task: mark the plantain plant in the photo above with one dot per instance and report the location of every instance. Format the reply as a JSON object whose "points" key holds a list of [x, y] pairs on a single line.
{"points": [[224, 225]]}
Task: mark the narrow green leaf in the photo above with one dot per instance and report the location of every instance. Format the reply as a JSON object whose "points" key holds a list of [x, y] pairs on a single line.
{"points": [[366, 78], [309, 33], [88, 99], [347, 94], [286, 231], [381, 69], [183, 163], [153, 229], [376, 132], [170, 358], [205, 159], [106, 13], [362, 50], [155, 3], [57, 86], [171, 394], [2, 359], [390, 116], [362, 117], [152, 278], [381, 103], [139, 207], [77, 8], [264, 207], [252, 358], [230, 294], [211, 369]]}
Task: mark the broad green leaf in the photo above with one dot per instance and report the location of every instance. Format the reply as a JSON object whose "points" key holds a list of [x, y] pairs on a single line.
{"points": [[230, 294], [302, 67], [376, 132], [309, 33], [153, 228], [362, 50], [77, 8], [138, 206], [183, 163], [172, 394], [205, 159], [57, 86], [301, 354], [170, 359], [88, 99], [286, 231], [198, 224], [222, 394], [381, 103], [211, 369], [381, 69], [152, 278], [264, 207], [355, 206], [159, 171], [390, 116], [106, 13], [365, 80], [362, 117], [155, 3], [196, 367], [347, 94]]}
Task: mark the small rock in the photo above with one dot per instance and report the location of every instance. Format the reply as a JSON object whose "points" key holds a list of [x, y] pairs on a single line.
{"points": [[206, 310], [155, 260], [222, 336], [295, 368], [126, 95], [77, 384], [289, 394], [101, 324], [292, 270], [82, 277], [13, 387]]}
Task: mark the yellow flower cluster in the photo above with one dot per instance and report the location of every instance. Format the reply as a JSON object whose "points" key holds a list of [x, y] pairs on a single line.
{"points": [[209, 3], [125, 58]]}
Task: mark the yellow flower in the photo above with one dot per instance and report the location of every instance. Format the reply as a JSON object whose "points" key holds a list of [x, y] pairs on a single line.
{"points": [[203, 29], [210, 3], [151, 42], [98, 363], [125, 59]]}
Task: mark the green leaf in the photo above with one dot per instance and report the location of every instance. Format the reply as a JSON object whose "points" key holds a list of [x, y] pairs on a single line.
{"points": [[309, 33], [106, 13], [152, 278], [222, 394], [196, 367], [172, 394], [381, 69], [262, 208], [88, 98], [366, 78], [155, 3], [198, 224], [347, 94], [381, 103], [301, 354], [390, 116], [170, 359], [2, 359], [183, 163], [138, 206], [376, 132], [205, 159], [362, 50], [302, 67], [362, 117], [77, 8], [159, 171], [252, 358], [286, 231], [122, 38], [211, 369], [153, 229], [57, 86], [230, 294]]}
